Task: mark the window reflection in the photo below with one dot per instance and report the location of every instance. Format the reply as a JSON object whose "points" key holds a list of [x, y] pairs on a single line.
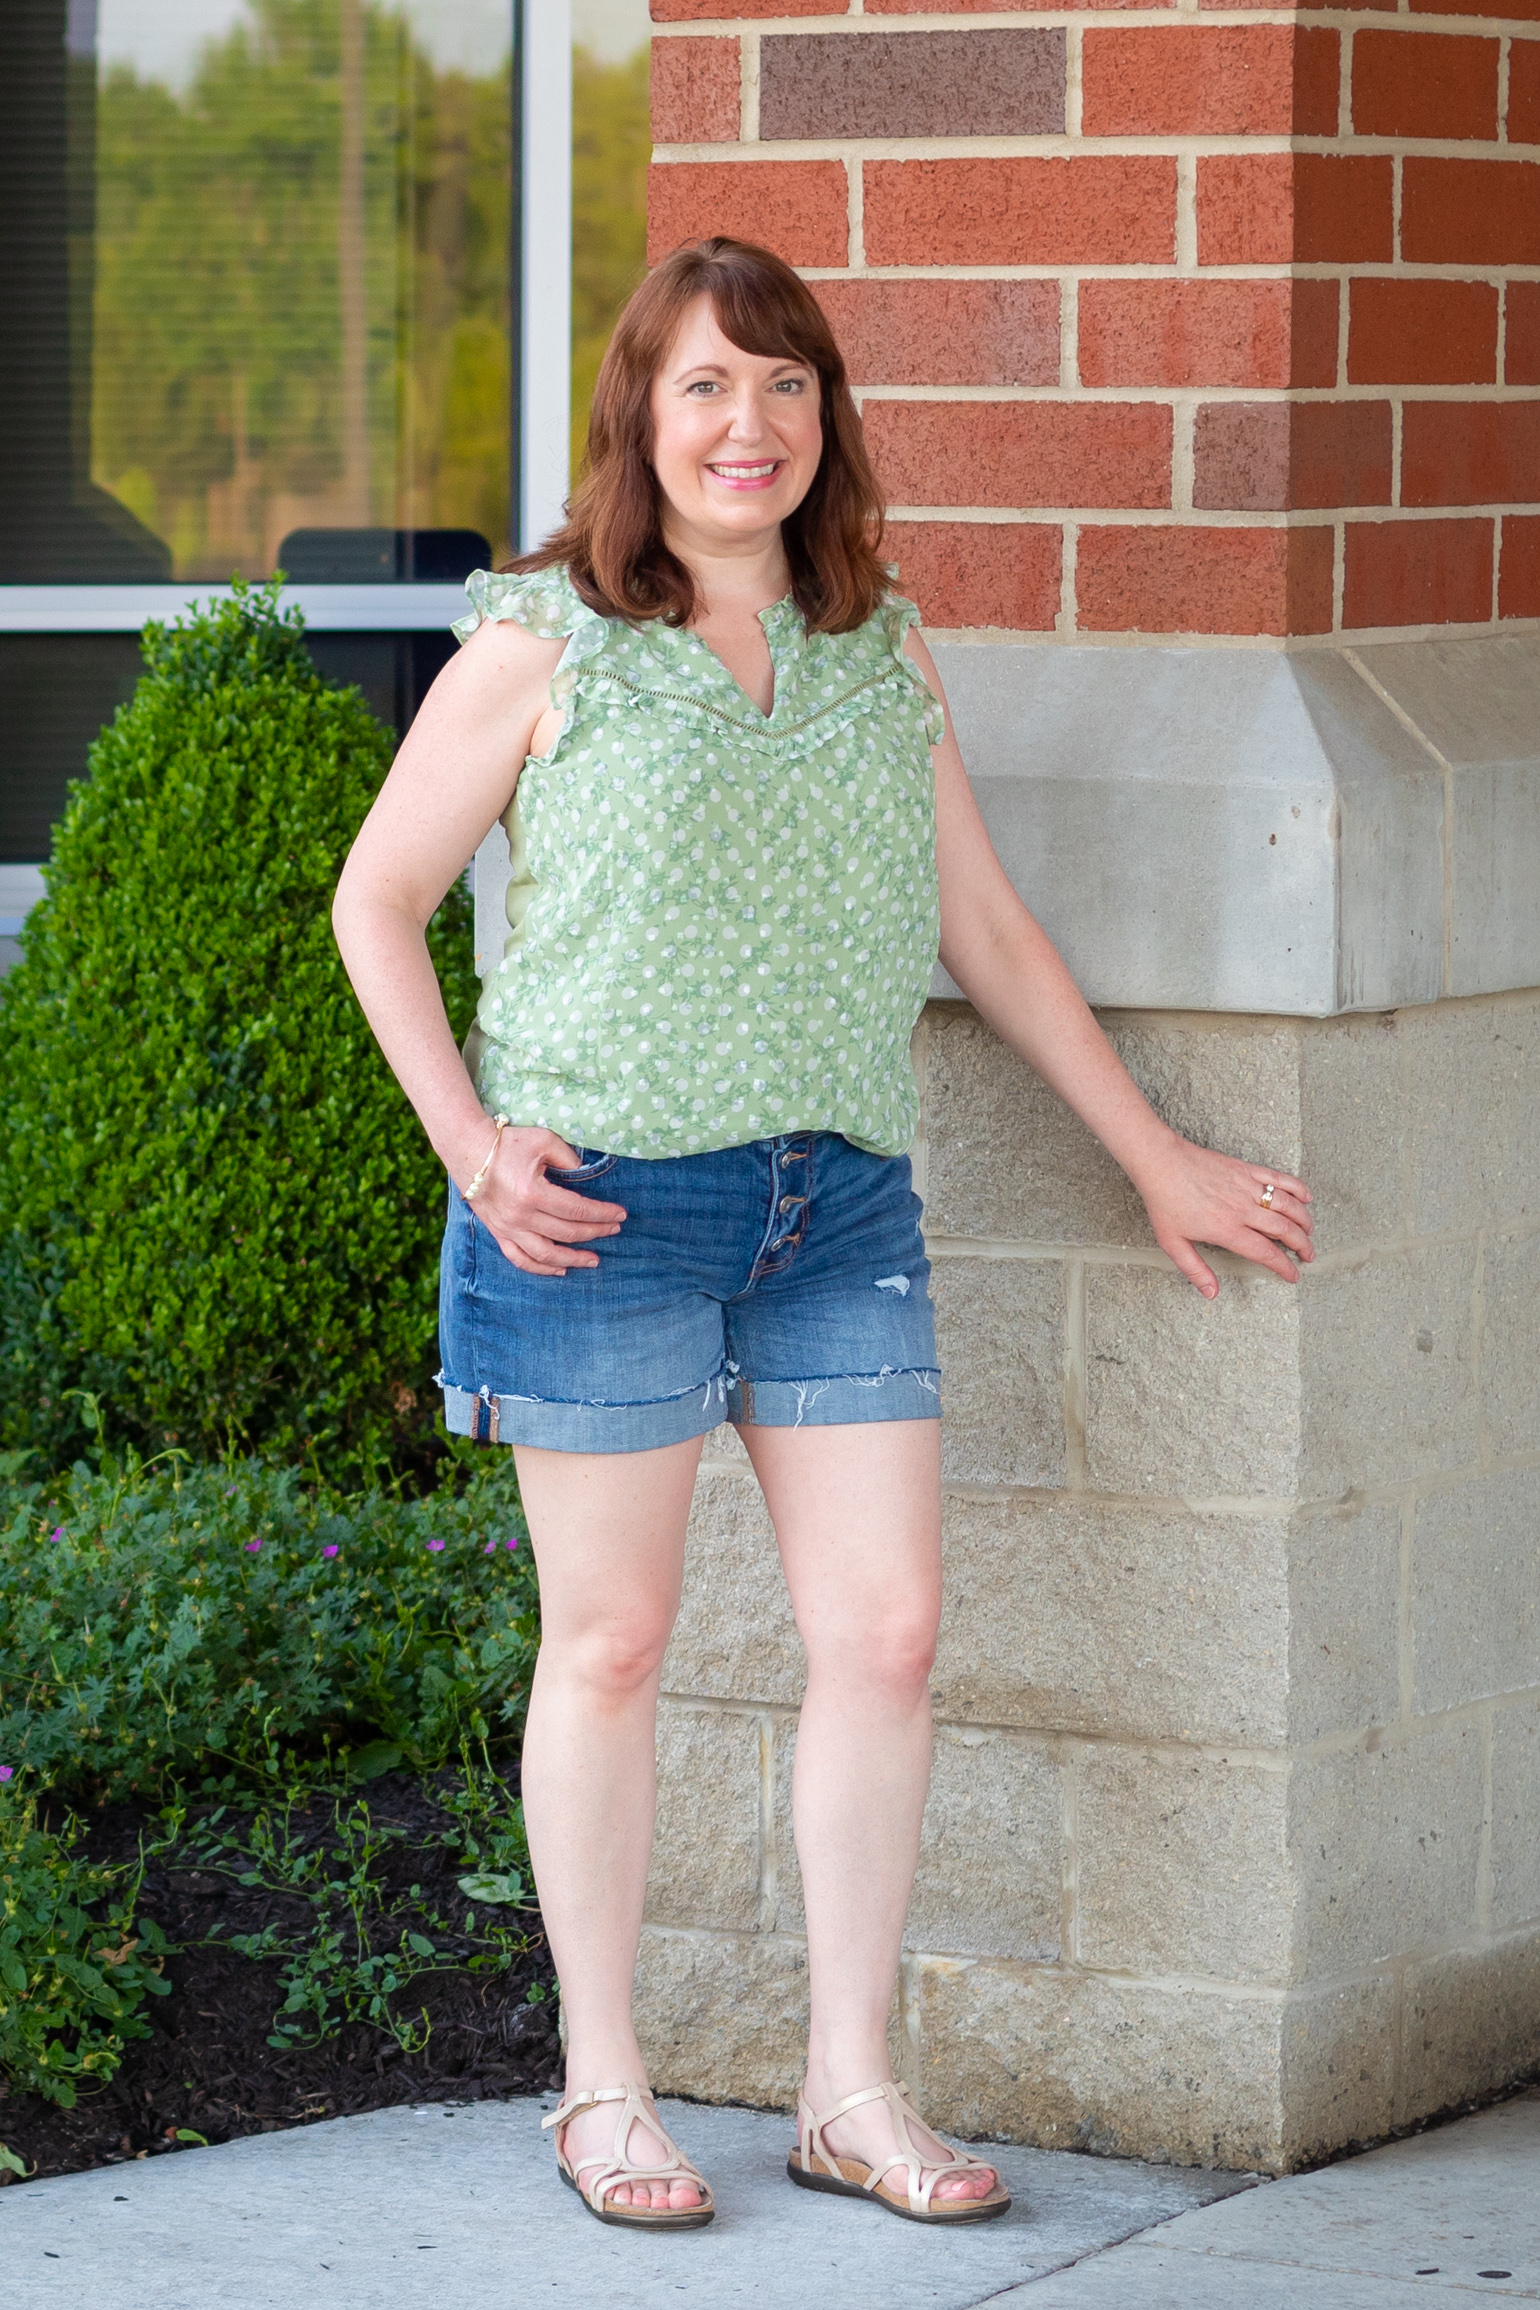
{"points": [[611, 146], [261, 268]]}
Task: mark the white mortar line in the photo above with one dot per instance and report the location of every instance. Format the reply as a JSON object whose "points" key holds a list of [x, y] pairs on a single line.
{"points": [[1187, 210], [855, 248], [1423, 740], [1504, 47], [1338, 573], [748, 87], [1069, 333], [1345, 87], [1066, 617], [1184, 419], [1074, 68], [1396, 406]]}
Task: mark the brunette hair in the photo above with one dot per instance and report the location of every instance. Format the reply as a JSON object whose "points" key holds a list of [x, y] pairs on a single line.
{"points": [[612, 540]]}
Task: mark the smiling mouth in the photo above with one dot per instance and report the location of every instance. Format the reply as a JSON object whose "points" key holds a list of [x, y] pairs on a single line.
{"points": [[747, 476]]}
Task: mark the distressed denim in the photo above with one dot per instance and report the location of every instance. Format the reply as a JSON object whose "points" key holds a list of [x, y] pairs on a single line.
{"points": [[780, 1284]]}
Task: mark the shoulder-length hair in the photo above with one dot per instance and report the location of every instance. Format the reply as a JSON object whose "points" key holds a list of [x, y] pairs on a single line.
{"points": [[612, 540]]}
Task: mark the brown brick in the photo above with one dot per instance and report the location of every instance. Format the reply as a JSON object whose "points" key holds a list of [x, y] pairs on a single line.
{"points": [[980, 573], [1470, 212], [1208, 80], [1208, 332], [1022, 453], [1422, 333], [692, 11], [978, 7], [1417, 573], [1102, 210], [799, 208], [1424, 84], [1510, 11], [1524, 92], [1470, 453], [945, 332], [1204, 581], [695, 97], [1518, 580], [979, 83], [1521, 360], [1271, 456], [1279, 208]]}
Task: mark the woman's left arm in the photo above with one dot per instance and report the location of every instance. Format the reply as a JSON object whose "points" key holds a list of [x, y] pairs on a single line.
{"points": [[1013, 975]]}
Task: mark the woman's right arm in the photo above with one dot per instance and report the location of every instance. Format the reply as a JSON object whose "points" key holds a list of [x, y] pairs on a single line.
{"points": [[450, 782]]}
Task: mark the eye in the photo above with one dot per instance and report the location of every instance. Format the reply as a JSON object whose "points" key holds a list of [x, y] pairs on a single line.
{"points": [[702, 385], [789, 385]]}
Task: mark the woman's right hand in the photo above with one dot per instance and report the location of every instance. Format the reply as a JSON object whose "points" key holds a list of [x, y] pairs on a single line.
{"points": [[536, 1223]]}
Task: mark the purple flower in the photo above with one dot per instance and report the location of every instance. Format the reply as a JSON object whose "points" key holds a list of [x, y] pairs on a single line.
{"points": [[434, 1546], [56, 1534], [252, 1546], [490, 1548], [331, 1550], [513, 1544], [6, 1772]]}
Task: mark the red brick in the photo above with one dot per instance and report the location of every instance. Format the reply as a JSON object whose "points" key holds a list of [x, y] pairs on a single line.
{"points": [[1109, 210], [1510, 11], [978, 7], [1518, 575], [1521, 362], [1421, 84], [1204, 581], [1270, 456], [799, 208], [1422, 333], [1470, 453], [945, 332], [1208, 332], [1210, 80], [980, 573], [1279, 208], [1524, 92], [1418, 573], [1025, 453], [1470, 212], [692, 11], [695, 91]]}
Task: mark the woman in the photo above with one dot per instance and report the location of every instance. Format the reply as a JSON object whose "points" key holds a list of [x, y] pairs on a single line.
{"points": [[679, 1191]]}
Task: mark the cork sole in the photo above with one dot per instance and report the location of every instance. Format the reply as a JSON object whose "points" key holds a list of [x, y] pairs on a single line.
{"points": [[633, 2218], [852, 2185]]}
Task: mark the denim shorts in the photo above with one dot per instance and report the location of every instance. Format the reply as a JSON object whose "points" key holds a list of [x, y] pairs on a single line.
{"points": [[781, 1284]]}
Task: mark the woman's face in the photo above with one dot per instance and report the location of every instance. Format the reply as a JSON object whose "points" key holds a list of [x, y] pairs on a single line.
{"points": [[736, 436]]}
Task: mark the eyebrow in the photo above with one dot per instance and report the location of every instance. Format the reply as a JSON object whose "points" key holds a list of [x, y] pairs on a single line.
{"points": [[716, 369]]}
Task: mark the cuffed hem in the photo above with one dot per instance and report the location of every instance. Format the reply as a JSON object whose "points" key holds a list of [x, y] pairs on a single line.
{"points": [[585, 1427], [843, 1399]]}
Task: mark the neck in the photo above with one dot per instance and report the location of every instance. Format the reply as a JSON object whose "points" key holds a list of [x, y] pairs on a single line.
{"points": [[733, 574]]}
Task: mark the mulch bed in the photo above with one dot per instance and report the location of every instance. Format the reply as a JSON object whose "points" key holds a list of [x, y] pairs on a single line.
{"points": [[207, 2067]]}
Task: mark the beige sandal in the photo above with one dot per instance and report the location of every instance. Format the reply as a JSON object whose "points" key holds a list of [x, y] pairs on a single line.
{"points": [[848, 2178], [617, 2167]]}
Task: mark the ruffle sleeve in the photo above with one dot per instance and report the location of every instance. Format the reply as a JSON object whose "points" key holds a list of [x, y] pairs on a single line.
{"points": [[898, 614], [544, 601]]}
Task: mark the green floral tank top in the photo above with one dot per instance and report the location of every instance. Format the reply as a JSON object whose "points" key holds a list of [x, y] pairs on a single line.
{"points": [[722, 923]]}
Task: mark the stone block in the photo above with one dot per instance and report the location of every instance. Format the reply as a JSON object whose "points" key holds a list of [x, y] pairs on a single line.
{"points": [[1339, 2067], [735, 1638], [1385, 1846], [1510, 1368], [991, 1873], [1476, 1590], [1352, 1128], [1071, 2060], [1181, 1866], [1000, 1331], [1387, 1376], [1470, 2023], [1515, 1812], [1344, 1619], [723, 2016], [705, 1854], [1191, 1397], [1089, 1617], [1472, 1104]]}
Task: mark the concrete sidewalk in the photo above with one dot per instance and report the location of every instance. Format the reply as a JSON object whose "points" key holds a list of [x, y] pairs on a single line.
{"points": [[424, 2209]]}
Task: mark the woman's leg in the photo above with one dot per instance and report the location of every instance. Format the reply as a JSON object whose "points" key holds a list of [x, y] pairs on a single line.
{"points": [[608, 1534], [857, 1513]]}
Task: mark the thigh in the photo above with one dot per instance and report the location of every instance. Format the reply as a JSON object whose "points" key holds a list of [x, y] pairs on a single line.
{"points": [[857, 1514], [608, 1533]]}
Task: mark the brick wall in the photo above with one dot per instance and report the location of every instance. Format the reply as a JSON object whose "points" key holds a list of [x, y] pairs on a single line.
{"points": [[1160, 322]]}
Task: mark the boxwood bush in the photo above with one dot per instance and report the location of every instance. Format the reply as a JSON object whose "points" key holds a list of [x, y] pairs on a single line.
{"points": [[217, 1212]]}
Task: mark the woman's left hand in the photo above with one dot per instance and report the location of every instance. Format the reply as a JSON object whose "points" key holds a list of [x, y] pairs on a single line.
{"points": [[1194, 1196]]}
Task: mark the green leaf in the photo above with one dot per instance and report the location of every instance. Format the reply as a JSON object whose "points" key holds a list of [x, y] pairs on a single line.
{"points": [[12, 2163], [494, 1891], [373, 1759], [186, 2134]]}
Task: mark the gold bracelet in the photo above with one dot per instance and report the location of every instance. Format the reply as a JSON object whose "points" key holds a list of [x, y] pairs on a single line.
{"points": [[476, 1185]]}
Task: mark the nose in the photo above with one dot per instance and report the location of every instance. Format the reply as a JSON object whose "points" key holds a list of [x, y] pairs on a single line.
{"points": [[748, 423]]}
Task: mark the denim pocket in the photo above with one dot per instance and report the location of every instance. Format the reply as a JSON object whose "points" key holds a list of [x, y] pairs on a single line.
{"points": [[591, 1165]]}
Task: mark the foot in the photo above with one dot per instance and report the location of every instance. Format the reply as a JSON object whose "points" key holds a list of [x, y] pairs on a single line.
{"points": [[866, 2134], [591, 2134]]}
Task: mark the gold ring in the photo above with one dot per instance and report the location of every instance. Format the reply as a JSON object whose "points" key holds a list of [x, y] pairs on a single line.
{"points": [[1267, 1195]]}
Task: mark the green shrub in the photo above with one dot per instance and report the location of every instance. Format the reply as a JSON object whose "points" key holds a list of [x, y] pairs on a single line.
{"points": [[167, 1625], [217, 1211], [75, 1966]]}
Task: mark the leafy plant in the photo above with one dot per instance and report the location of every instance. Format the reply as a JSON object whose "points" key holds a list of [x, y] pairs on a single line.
{"points": [[217, 1211], [173, 1623], [76, 1968]]}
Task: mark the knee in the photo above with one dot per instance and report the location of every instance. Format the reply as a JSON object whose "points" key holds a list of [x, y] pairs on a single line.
{"points": [[890, 1654], [613, 1663]]}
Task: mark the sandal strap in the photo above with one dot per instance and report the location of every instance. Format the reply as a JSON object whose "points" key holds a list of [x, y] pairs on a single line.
{"points": [[617, 2167], [922, 2174]]}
